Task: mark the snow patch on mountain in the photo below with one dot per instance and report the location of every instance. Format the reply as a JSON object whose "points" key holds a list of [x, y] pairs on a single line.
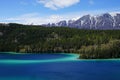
{"points": [[103, 21]]}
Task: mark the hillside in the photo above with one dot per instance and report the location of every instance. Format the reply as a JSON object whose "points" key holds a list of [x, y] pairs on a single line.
{"points": [[38, 39]]}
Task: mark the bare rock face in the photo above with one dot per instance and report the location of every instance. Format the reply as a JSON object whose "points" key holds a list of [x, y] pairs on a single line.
{"points": [[104, 21], [84, 22], [117, 21], [62, 23], [70, 23]]}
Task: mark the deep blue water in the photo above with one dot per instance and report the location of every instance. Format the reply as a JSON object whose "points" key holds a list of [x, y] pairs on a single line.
{"points": [[35, 56], [65, 68]]}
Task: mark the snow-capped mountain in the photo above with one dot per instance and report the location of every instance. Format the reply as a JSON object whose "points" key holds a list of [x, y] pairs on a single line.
{"points": [[104, 21]]}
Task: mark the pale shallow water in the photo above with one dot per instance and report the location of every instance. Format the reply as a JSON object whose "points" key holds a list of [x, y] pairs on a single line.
{"points": [[56, 67]]}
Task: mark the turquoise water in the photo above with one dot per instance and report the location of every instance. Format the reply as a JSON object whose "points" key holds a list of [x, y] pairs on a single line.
{"points": [[56, 67]]}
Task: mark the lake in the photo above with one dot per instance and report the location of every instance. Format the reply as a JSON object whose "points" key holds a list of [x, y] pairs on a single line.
{"points": [[17, 66]]}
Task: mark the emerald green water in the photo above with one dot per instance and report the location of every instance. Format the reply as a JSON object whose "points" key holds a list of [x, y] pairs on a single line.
{"points": [[56, 67], [66, 57]]}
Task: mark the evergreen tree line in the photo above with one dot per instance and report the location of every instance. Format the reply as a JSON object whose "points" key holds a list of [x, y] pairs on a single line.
{"points": [[39, 39], [103, 51]]}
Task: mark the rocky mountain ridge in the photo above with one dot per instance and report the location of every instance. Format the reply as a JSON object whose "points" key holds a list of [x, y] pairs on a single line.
{"points": [[104, 21]]}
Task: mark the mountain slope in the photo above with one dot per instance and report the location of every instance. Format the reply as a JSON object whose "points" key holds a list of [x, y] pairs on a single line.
{"points": [[104, 21]]}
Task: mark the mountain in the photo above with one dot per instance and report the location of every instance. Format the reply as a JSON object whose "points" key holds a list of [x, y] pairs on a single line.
{"points": [[104, 21]]}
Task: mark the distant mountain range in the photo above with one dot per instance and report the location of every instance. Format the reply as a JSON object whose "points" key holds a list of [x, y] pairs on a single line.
{"points": [[104, 21]]}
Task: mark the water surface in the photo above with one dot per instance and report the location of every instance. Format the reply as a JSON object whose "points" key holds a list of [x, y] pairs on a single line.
{"points": [[56, 67]]}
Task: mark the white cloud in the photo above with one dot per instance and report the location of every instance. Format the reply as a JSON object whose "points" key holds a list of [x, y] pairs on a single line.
{"points": [[56, 4], [34, 18], [91, 2], [37, 18]]}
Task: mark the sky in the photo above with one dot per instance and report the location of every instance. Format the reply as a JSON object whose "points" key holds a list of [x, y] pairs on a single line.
{"points": [[51, 11]]}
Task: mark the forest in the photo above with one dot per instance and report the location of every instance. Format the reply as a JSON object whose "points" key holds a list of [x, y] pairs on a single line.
{"points": [[90, 44]]}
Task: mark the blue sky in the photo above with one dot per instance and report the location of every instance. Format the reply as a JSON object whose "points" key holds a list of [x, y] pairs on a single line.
{"points": [[45, 11]]}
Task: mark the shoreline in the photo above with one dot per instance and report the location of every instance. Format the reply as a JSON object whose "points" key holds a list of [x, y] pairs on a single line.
{"points": [[69, 57]]}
